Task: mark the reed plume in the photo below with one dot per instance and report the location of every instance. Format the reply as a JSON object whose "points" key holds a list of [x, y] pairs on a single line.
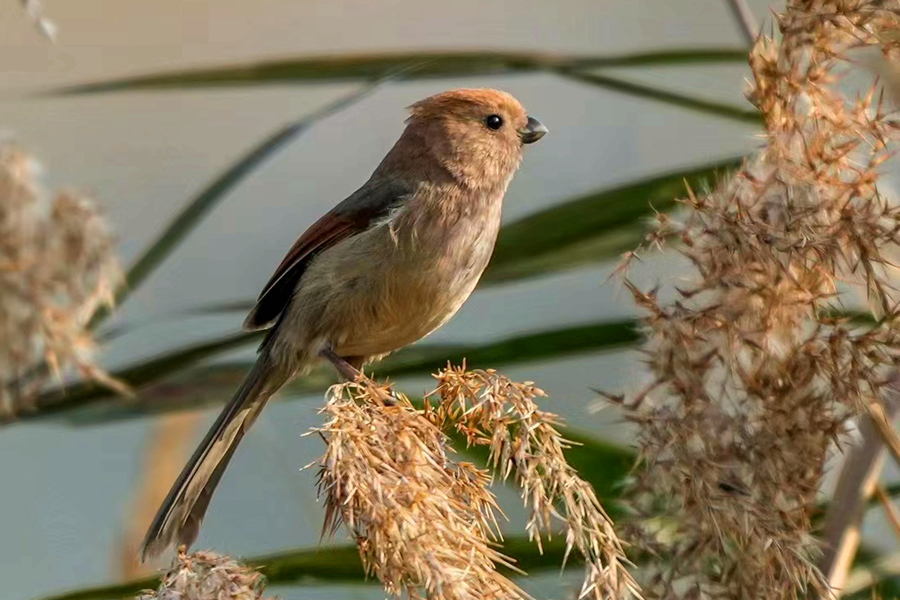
{"points": [[425, 523], [207, 576], [57, 267], [754, 373]]}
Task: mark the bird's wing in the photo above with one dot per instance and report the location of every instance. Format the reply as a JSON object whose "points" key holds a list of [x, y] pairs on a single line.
{"points": [[355, 214]]}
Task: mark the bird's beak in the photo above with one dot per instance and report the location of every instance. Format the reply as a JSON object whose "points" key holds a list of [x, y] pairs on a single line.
{"points": [[534, 130]]}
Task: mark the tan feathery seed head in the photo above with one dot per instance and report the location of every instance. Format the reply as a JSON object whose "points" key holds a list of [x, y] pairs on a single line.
{"points": [[423, 524], [207, 576], [491, 410], [754, 376], [57, 266]]}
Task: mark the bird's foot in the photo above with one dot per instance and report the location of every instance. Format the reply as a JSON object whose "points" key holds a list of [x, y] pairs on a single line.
{"points": [[351, 373], [344, 368]]}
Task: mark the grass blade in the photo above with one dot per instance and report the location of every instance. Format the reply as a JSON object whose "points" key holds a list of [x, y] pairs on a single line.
{"points": [[177, 380], [650, 93], [584, 230], [561, 237], [426, 64], [201, 204], [591, 228], [86, 393], [330, 565]]}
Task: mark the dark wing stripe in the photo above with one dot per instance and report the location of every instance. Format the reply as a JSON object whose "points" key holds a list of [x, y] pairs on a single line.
{"points": [[326, 231], [278, 291], [352, 216]]}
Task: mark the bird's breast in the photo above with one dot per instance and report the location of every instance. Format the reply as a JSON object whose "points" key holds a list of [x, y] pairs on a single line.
{"points": [[414, 271]]}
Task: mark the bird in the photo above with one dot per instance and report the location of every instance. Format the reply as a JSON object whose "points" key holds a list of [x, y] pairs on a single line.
{"points": [[384, 268]]}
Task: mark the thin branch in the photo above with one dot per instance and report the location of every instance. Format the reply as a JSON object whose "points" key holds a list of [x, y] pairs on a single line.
{"points": [[856, 484], [885, 430], [890, 511], [745, 19]]}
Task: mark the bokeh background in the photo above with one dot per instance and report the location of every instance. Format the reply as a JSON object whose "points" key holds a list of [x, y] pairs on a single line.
{"points": [[67, 490]]}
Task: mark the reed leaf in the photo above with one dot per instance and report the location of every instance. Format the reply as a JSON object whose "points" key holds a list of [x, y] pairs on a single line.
{"points": [[206, 199], [423, 64], [592, 228], [178, 380], [329, 565], [646, 92], [579, 231]]}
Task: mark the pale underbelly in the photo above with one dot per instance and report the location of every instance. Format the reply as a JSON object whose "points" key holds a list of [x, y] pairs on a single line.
{"points": [[402, 316], [378, 292]]}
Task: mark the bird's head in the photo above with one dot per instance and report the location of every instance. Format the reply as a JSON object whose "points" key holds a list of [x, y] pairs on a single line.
{"points": [[475, 134]]}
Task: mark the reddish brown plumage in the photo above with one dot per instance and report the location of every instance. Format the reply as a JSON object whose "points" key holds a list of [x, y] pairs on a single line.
{"points": [[384, 268], [446, 133]]}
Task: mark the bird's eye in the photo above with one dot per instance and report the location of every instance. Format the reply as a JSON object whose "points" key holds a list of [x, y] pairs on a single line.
{"points": [[494, 122]]}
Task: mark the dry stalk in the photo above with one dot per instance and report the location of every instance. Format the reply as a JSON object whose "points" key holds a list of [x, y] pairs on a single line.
{"points": [[841, 532], [57, 266], [491, 410], [168, 446], [207, 576], [753, 375], [890, 510], [745, 19], [422, 522]]}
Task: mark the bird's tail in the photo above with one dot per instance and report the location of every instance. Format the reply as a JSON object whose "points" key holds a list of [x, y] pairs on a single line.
{"points": [[179, 517]]}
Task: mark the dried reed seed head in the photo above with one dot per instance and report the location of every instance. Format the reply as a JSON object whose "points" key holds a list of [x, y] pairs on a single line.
{"points": [[423, 523], [207, 576], [57, 266], [493, 411], [753, 375]]}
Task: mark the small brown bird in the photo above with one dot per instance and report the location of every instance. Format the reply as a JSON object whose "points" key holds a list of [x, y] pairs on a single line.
{"points": [[386, 267]]}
